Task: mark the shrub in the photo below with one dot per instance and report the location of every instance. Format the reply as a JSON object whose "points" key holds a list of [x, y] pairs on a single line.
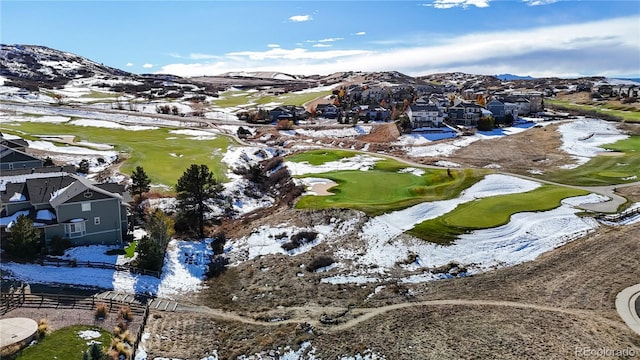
{"points": [[59, 245], [486, 123], [101, 311], [219, 240], [299, 239], [284, 124], [120, 348], [125, 313], [319, 262], [127, 337], [43, 328], [115, 252], [217, 266]]}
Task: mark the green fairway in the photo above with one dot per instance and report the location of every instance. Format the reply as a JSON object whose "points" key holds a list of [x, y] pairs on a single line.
{"points": [[378, 191], [233, 98], [628, 113], [604, 170], [163, 155], [63, 344], [319, 157], [490, 212]]}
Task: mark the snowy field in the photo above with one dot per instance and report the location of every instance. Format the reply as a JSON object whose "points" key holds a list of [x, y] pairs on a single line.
{"points": [[583, 138], [179, 275]]}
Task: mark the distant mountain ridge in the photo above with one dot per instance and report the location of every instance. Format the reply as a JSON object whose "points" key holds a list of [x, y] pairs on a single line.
{"points": [[509, 77], [33, 67]]}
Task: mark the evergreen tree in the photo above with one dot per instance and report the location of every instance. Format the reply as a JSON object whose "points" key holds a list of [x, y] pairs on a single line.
{"points": [[151, 248], [159, 226], [24, 240], [48, 161], [486, 123], [508, 119], [197, 186], [139, 182]]}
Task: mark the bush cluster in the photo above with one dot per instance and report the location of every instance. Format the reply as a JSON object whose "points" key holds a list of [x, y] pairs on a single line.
{"points": [[299, 239], [101, 311], [319, 262]]}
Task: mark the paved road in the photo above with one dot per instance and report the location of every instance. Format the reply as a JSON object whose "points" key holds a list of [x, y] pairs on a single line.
{"points": [[628, 307]]}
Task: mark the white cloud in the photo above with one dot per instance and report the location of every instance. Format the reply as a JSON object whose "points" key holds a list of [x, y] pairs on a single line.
{"points": [[198, 56], [273, 45], [296, 54], [300, 18], [331, 39], [321, 45], [129, 64], [539, 2], [361, 33], [560, 50], [147, 66], [448, 4]]}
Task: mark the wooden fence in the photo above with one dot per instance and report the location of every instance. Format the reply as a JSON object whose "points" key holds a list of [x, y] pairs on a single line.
{"points": [[51, 261], [13, 298], [620, 216], [16, 297]]}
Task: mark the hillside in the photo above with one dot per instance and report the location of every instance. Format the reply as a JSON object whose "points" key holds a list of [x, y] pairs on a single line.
{"points": [[49, 67]]}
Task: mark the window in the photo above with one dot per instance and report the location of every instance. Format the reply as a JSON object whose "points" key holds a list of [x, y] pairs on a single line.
{"points": [[10, 166], [86, 206], [75, 229], [96, 220]]}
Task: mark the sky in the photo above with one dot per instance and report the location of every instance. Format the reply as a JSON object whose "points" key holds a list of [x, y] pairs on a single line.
{"points": [[192, 38]]}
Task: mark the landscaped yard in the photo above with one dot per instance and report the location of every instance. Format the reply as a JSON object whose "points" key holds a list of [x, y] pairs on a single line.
{"points": [[63, 344], [622, 167], [163, 155], [490, 212]]}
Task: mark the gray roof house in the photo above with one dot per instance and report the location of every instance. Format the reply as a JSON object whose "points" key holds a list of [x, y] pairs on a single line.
{"points": [[14, 158], [66, 206], [424, 115], [465, 114]]}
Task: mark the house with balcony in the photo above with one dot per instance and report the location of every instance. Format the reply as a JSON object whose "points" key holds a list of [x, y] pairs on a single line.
{"points": [[423, 115], [465, 114], [65, 205]]}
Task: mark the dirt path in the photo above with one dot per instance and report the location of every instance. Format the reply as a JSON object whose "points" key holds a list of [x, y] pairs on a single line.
{"points": [[357, 316]]}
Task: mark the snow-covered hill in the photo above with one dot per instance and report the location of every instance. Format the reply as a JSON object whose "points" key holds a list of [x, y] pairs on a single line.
{"points": [[46, 65]]}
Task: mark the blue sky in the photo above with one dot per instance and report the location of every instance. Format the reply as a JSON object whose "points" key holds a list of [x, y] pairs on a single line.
{"points": [[192, 38]]}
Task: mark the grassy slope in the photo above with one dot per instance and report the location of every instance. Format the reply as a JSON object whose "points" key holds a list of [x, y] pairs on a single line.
{"points": [[63, 344], [382, 190], [237, 98], [319, 157], [604, 170], [628, 114], [490, 212], [149, 148]]}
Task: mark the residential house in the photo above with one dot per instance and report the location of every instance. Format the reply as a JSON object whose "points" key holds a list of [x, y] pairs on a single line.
{"points": [[465, 114], [290, 112], [65, 205], [373, 95], [424, 115], [13, 158], [328, 111], [523, 105], [497, 109]]}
